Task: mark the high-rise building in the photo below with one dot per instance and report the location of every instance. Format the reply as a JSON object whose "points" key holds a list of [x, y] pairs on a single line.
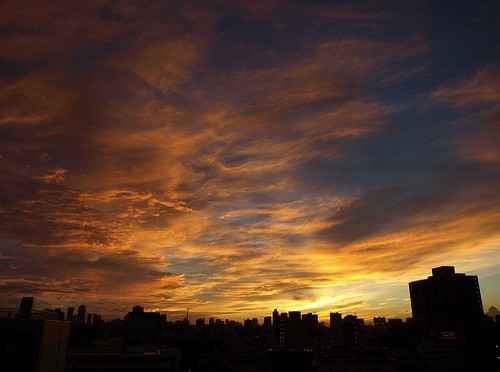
{"points": [[283, 330], [70, 314], [26, 307], [336, 328], [255, 323], [310, 325], [350, 328], [293, 330], [82, 311], [276, 324], [446, 301], [248, 326]]}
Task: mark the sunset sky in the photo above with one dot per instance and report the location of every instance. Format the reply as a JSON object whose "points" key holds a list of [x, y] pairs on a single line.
{"points": [[232, 157]]}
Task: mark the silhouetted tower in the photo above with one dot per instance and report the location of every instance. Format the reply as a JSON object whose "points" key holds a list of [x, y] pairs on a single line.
{"points": [[82, 311], [446, 301], [71, 312], [267, 326], [294, 330], [255, 323], [247, 324], [26, 307], [310, 325], [283, 330], [350, 327], [336, 328], [275, 324]]}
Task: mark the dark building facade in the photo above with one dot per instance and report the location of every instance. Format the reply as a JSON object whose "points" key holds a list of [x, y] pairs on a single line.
{"points": [[310, 325], [36, 345], [447, 301], [70, 313], [82, 313], [143, 327], [33, 341], [276, 324], [336, 328], [26, 307], [350, 327]]}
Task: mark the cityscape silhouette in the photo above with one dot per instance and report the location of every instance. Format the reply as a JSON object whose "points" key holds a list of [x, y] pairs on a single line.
{"points": [[448, 332]]}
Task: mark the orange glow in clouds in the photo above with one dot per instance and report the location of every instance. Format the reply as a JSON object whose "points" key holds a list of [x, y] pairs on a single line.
{"points": [[236, 158]]}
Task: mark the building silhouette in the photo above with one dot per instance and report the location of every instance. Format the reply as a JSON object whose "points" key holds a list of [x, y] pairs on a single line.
{"points": [[142, 326], [276, 324], [350, 328], [33, 344], [310, 325], [26, 307], [336, 328], [33, 341], [283, 330], [379, 321], [70, 313], [446, 301], [82, 311], [294, 333]]}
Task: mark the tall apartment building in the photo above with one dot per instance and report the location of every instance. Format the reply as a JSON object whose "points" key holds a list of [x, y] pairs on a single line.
{"points": [[447, 301]]}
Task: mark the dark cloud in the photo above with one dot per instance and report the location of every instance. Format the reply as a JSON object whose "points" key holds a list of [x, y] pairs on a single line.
{"points": [[383, 211], [39, 213]]}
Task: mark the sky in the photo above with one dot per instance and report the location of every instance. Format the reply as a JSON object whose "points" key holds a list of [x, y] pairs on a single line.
{"points": [[233, 157]]}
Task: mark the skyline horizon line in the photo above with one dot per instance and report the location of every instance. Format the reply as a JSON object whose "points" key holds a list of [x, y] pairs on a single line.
{"points": [[364, 313]]}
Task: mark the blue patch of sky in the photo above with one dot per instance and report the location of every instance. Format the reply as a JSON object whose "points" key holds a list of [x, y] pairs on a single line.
{"points": [[411, 150], [240, 41], [86, 56]]}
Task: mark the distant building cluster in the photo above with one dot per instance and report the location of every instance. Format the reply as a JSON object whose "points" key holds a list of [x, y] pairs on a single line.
{"points": [[448, 331], [81, 317]]}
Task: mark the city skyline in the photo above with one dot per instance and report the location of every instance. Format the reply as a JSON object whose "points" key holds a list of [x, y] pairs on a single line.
{"points": [[437, 294], [237, 157], [445, 299]]}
